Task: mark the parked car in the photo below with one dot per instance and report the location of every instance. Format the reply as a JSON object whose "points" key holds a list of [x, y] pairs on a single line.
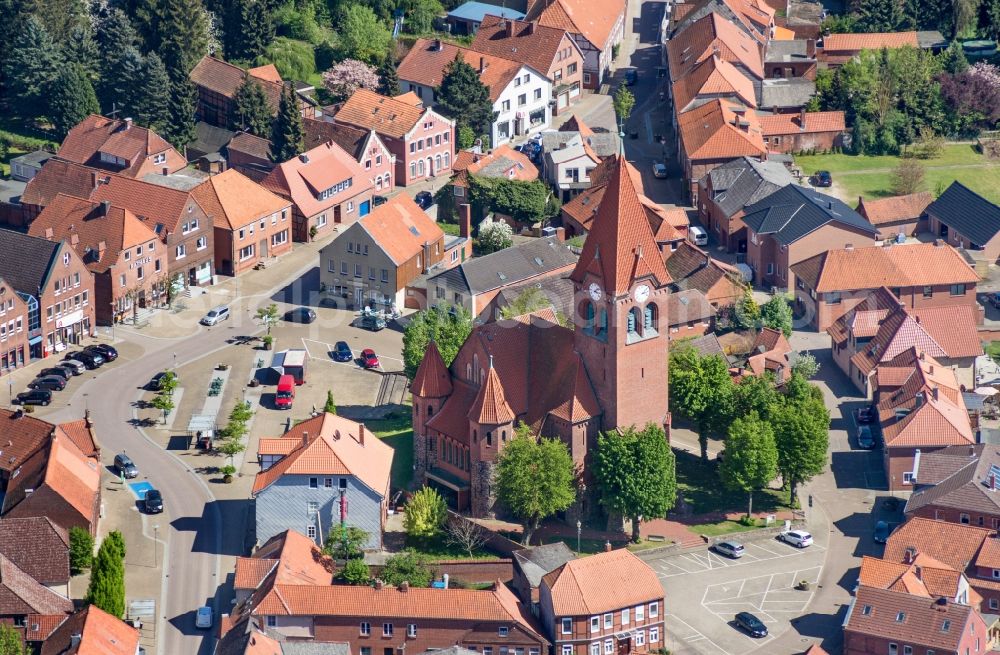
{"points": [[797, 538], [50, 382], [865, 437], [378, 201], [90, 360], [109, 353], [993, 298], [424, 199], [125, 466], [369, 359], [60, 371], [866, 414], [34, 397], [631, 76], [822, 179], [753, 626], [74, 366], [203, 618], [659, 170], [372, 322], [733, 549], [881, 533], [153, 502], [215, 315], [300, 315], [159, 380], [342, 352]]}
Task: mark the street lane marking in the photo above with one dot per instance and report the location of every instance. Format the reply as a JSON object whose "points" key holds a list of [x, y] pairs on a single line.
{"points": [[698, 561]]}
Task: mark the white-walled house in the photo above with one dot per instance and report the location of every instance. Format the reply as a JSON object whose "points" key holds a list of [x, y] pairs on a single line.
{"points": [[521, 95]]}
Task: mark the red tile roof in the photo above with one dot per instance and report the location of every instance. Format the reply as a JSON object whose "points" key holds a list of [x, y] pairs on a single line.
{"points": [[332, 445], [303, 178], [713, 35], [99, 633], [74, 477], [22, 594], [386, 115], [23, 436], [225, 79], [96, 134], [268, 72], [81, 433], [490, 406], [917, 416], [38, 547], [532, 43], [250, 572], [594, 19], [287, 558], [233, 200], [721, 129], [426, 61], [620, 248], [432, 379], [517, 165], [713, 77], [816, 122], [922, 622], [881, 211], [954, 544], [847, 43], [401, 229], [602, 583]]}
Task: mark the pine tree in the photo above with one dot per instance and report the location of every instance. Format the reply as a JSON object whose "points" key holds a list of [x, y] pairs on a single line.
{"points": [[247, 30], [330, 407], [107, 578], [183, 37], [30, 68], [122, 81], [71, 99], [287, 134], [152, 106], [81, 48], [463, 97], [251, 110], [118, 58], [953, 59], [180, 128], [388, 79], [880, 15]]}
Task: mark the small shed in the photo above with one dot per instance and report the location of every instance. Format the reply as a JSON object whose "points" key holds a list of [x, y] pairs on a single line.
{"points": [[465, 18]]}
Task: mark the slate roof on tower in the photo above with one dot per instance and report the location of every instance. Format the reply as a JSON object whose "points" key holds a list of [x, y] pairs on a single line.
{"points": [[620, 248]]}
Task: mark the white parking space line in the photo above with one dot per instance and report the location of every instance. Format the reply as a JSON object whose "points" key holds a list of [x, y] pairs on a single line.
{"points": [[692, 635], [691, 563]]}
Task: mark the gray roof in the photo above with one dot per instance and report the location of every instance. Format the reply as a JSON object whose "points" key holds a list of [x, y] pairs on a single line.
{"points": [[703, 8], [558, 291], [11, 191], [208, 139], [967, 488], [183, 180], [508, 266], [787, 51], [27, 261], [794, 211], [791, 92], [707, 345], [967, 212], [688, 305], [536, 562], [498, 167], [931, 39], [315, 648], [450, 650], [36, 158], [605, 144], [746, 180]]}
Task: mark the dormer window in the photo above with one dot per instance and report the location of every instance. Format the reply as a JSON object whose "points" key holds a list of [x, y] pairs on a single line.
{"points": [[160, 158], [107, 158]]}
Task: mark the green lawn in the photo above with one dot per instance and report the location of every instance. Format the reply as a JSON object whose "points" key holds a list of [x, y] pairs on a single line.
{"points": [[871, 177], [587, 546], [450, 229], [724, 527], [702, 489], [398, 433], [993, 350]]}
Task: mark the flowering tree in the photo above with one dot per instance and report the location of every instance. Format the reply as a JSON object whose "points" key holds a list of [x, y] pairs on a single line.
{"points": [[346, 77], [974, 96], [495, 235]]}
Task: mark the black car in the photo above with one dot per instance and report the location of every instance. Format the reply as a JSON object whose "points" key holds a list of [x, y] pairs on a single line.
{"points": [[822, 178], [754, 626], [60, 371], [300, 315], [109, 353], [156, 384], [34, 397], [378, 201], [342, 352], [91, 360], [125, 466], [153, 502], [50, 382], [424, 199]]}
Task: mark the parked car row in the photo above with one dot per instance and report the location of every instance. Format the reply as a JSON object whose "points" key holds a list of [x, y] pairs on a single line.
{"points": [[55, 378]]}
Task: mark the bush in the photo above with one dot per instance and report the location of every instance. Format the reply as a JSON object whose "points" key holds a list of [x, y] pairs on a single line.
{"points": [[495, 235], [407, 567], [81, 550], [426, 514], [355, 572], [294, 59]]}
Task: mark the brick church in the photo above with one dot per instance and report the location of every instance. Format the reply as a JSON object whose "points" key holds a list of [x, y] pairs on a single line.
{"points": [[607, 371]]}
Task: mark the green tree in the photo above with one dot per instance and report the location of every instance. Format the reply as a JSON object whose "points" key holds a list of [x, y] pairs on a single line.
{"points": [[907, 177], [953, 60], [534, 479], [746, 312], [466, 137], [495, 235], [122, 81], [776, 313], [522, 200], [531, 299], [81, 551], [355, 572], [623, 103], [801, 433], [421, 15], [330, 407], [81, 48], [181, 36], [116, 542], [247, 29], [463, 97], [168, 383], [636, 473], [448, 327], [30, 68], [362, 35], [251, 110], [388, 79], [71, 98], [269, 317], [346, 543], [180, 128], [806, 366], [287, 133], [107, 579], [10, 641], [152, 107], [701, 390], [426, 514], [407, 567], [755, 394], [880, 15], [232, 445], [751, 460], [164, 403]]}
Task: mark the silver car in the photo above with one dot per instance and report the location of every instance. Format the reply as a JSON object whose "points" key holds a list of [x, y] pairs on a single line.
{"points": [[215, 315], [733, 549], [78, 367]]}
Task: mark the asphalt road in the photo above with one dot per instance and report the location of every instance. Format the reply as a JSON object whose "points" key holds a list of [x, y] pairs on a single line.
{"points": [[192, 526]]}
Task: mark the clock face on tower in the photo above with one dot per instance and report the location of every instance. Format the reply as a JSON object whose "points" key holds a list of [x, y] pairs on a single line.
{"points": [[595, 291], [641, 293]]}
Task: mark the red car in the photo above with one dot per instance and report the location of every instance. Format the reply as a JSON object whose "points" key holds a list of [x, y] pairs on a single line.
{"points": [[369, 359]]}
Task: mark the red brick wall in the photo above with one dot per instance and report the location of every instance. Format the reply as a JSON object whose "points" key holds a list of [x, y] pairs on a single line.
{"points": [[582, 636], [787, 143], [66, 299], [430, 634], [14, 349], [805, 69]]}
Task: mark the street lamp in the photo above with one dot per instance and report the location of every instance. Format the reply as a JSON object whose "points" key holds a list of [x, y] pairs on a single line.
{"points": [[175, 361], [156, 529], [579, 526]]}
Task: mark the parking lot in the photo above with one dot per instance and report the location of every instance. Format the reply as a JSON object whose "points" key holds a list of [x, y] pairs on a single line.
{"points": [[705, 590]]}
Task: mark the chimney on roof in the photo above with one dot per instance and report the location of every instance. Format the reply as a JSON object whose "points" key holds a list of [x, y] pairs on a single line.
{"points": [[361, 433], [101, 247], [942, 604], [128, 124], [305, 438], [16, 415], [919, 572], [829, 204], [802, 118], [93, 180], [74, 640], [379, 584], [922, 356], [105, 207], [404, 586], [811, 48], [934, 391], [437, 45], [531, 27], [74, 239], [607, 546], [848, 246], [560, 234], [465, 220], [509, 28], [86, 418], [49, 233], [991, 481], [482, 65], [909, 554], [304, 158], [938, 242], [919, 398]]}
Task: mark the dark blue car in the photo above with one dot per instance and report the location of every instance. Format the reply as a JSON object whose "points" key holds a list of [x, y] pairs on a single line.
{"points": [[342, 352]]}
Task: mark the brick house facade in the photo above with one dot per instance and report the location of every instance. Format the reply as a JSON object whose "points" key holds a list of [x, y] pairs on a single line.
{"points": [[964, 219], [15, 351], [790, 133]]}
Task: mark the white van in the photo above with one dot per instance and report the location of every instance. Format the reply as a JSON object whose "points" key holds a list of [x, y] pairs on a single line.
{"points": [[697, 235]]}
